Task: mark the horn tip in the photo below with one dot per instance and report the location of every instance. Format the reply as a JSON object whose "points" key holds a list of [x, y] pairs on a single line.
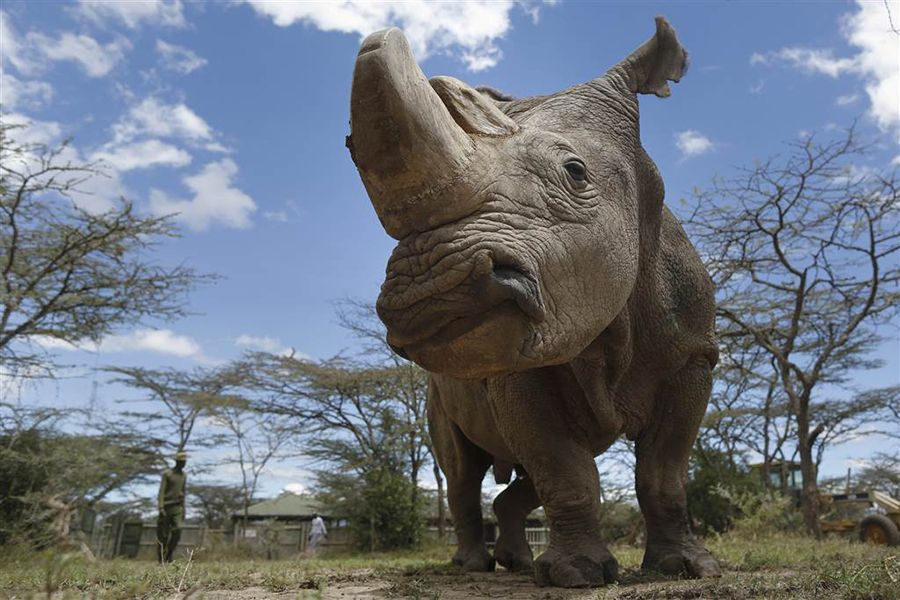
{"points": [[375, 41]]}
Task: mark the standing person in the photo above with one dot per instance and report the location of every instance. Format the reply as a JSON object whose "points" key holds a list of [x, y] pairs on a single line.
{"points": [[316, 533], [171, 508]]}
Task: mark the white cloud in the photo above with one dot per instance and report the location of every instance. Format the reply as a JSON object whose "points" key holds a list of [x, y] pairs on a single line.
{"points": [[847, 99], [33, 52], [295, 488], [693, 143], [215, 199], [869, 30], [757, 88], [875, 62], [95, 194], [178, 58], [267, 344], [27, 94], [155, 118], [161, 341], [11, 50], [217, 147], [263, 343], [132, 13], [29, 131], [141, 155], [97, 60], [811, 60], [291, 213], [470, 30]]}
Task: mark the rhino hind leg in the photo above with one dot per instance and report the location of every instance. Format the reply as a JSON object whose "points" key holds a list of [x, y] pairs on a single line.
{"points": [[662, 453], [464, 465], [512, 506]]}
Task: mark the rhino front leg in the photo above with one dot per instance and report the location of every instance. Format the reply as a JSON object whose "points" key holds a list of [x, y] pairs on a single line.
{"points": [[531, 417], [512, 507], [662, 453], [464, 464]]}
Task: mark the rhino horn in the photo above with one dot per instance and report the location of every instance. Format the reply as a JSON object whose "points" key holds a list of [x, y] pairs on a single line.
{"points": [[404, 141]]}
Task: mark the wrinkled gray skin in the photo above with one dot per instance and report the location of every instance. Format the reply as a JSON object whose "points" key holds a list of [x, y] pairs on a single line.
{"points": [[555, 300]]}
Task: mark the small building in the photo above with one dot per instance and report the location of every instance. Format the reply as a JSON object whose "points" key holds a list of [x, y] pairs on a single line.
{"points": [[288, 507], [281, 526]]}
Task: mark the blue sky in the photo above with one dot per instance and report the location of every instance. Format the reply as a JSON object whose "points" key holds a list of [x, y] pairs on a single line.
{"points": [[234, 115]]}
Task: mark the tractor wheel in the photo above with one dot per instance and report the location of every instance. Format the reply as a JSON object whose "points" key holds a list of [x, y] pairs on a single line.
{"points": [[879, 530]]}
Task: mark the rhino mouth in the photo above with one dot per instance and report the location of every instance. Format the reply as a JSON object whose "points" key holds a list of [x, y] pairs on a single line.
{"points": [[486, 296]]}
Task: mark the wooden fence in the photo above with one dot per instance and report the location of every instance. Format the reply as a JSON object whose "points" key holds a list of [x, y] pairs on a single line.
{"points": [[134, 538], [137, 539]]}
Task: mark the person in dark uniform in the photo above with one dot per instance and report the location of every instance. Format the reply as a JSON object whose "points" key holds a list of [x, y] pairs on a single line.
{"points": [[171, 508]]}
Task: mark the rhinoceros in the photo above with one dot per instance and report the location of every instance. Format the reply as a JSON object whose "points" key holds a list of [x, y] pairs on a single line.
{"points": [[554, 299]]}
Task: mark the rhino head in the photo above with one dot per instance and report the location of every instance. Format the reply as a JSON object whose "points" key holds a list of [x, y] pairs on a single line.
{"points": [[522, 225]]}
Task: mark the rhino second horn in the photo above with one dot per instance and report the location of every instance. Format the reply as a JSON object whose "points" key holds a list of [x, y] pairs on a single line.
{"points": [[405, 144]]}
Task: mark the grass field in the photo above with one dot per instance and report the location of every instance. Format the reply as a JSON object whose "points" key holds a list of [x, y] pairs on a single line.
{"points": [[779, 566]]}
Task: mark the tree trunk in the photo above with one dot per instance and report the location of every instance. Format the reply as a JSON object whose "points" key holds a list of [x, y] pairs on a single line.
{"points": [[414, 478], [440, 501], [809, 496], [246, 516], [766, 475]]}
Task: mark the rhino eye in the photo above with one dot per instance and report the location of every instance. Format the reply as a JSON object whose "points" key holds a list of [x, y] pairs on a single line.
{"points": [[576, 170]]}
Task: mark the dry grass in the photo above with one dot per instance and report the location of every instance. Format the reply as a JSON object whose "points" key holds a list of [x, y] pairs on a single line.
{"points": [[777, 567]]}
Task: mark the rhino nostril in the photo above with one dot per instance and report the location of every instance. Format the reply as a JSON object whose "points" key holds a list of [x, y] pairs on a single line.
{"points": [[399, 351], [512, 283], [505, 272]]}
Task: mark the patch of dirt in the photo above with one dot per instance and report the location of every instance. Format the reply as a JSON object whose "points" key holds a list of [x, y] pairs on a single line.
{"points": [[502, 584]]}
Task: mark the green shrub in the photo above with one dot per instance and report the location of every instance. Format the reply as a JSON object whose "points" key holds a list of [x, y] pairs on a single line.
{"points": [[761, 514], [710, 510], [387, 514], [621, 522]]}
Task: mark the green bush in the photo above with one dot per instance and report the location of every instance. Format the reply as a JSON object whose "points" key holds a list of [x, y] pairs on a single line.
{"points": [[387, 515], [23, 476], [710, 510], [761, 514], [621, 522]]}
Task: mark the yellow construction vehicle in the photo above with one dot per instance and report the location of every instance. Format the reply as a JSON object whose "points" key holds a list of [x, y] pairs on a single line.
{"points": [[842, 515]]}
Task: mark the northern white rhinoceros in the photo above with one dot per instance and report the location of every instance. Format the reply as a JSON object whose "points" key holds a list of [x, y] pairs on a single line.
{"points": [[553, 297]]}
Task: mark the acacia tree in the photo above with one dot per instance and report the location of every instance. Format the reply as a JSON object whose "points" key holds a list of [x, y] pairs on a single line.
{"points": [[802, 249], [215, 502], [354, 433], [184, 395], [410, 389], [68, 275], [746, 411], [54, 461], [256, 437]]}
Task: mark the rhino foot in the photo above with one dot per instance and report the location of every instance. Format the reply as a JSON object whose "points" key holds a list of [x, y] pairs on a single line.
{"points": [[514, 556], [692, 560], [477, 559], [588, 568]]}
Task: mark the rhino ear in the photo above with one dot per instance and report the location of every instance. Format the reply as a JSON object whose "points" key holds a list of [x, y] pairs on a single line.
{"points": [[473, 111], [659, 60]]}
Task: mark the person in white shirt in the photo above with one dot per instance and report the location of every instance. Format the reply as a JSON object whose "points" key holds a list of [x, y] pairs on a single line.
{"points": [[317, 533]]}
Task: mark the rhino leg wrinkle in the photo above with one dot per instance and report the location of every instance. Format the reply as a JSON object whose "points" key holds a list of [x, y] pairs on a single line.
{"points": [[552, 296]]}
